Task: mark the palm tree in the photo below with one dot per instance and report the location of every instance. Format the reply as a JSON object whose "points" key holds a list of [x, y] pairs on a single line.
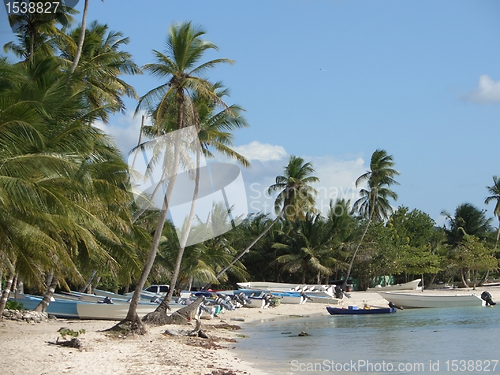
{"points": [[469, 221], [101, 64], [38, 30], [308, 247], [374, 202], [185, 47], [294, 200], [215, 133], [494, 190], [62, 186]]}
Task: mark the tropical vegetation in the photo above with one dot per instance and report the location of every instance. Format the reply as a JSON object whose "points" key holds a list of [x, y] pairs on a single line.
{"points": [[68, 218]]}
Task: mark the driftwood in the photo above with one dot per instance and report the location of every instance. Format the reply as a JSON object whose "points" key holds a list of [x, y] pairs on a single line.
{"points": [[181, 316], [73, 343]]}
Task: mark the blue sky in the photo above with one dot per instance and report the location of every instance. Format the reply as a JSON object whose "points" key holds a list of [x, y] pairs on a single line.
{"points": [[332, 81]]}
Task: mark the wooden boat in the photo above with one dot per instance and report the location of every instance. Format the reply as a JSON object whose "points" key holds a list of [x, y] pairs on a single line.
{"points": [[70, 309], [411, 285], [422, 300], [355, 311]]}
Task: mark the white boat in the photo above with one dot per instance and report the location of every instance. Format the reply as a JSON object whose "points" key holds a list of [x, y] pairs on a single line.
{"points": [[418, 300], [284, 287], [411, 285], [264, 285], [322, 299]]}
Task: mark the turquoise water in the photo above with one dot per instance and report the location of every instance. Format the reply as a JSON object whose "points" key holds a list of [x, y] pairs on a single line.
{"points": [[425, 341]]}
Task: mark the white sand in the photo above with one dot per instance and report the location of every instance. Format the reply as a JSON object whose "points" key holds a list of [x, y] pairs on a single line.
{"points": [[24, 349]]}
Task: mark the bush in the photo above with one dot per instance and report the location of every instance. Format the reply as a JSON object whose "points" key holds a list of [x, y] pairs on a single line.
{"points": [[14, 305]]}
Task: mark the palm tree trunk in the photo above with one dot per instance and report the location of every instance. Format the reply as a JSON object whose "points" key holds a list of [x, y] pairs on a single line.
{"points": [[372, 210], [344, 284], [185, 234], [88, 282], [6, 292], [462, 275], [20, 285], [498, 236], [82, 38], [247, 250], [132, 311], [44, 303], [32, 46]]}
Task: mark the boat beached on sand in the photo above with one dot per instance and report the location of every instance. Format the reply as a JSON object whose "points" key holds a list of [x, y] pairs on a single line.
{"points": [[422, 300], [411, 285], [74, 309]]}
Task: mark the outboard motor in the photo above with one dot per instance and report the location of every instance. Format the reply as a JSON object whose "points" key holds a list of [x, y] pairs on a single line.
{"points": [[486, 296], [339, 293], [393, 306]]}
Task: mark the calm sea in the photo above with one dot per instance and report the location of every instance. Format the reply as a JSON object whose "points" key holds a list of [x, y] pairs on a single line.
{"points": [[425, 341]]}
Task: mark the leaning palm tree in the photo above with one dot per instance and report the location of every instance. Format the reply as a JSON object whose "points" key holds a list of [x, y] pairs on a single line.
{"points": [[494, 190], [295, 198], [185, 48], [215, 135], [374, 202], [102, 63]]}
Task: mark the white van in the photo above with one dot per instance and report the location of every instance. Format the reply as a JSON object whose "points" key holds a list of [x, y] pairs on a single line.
{"points": [[158, 289]]}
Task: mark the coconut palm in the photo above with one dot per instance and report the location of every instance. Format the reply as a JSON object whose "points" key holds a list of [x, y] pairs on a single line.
{"points": [[494, 190], [374, 202], [37, 31], [62, 185], [308, 247], [469, 220], [101, 65], [215, 134], [295, 198], [178, 65]]}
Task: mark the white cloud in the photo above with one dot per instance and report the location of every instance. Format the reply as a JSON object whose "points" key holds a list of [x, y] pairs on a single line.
{"points": [[261, 151], [337, 180], [124, 130], [487, 91]]}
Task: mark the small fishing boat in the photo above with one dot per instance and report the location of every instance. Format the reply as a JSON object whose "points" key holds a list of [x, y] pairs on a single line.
{"points": [[411, 285], [422, 300], [70, 309], [353, 310]]}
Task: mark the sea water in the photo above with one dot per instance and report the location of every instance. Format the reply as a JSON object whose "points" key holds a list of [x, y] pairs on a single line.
{"points": [[426, 341]]}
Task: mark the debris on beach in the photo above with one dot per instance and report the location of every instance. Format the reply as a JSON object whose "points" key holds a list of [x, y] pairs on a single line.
{"points": [[26, 315]]}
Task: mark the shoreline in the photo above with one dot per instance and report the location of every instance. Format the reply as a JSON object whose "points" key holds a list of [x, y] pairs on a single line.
{"points": [[25, 349]]}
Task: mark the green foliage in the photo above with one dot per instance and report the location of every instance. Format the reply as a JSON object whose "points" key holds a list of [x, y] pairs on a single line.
{"points": [[14, 305], [69, 332]]}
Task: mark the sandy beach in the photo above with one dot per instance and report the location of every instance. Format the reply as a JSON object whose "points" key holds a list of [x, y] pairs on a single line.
{"points": [[25, 349]]}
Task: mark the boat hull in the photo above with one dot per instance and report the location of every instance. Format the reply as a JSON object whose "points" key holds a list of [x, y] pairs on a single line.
{"points": [[421, 300], [412, 285], [344, 311]]}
